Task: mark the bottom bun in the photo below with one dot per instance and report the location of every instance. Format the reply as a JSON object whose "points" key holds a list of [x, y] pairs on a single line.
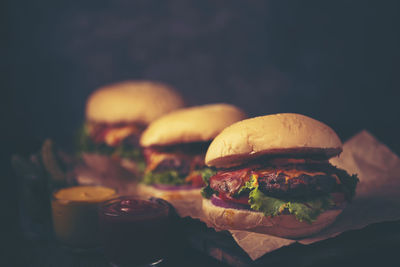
{"points": [[187, 202], [283, 225]]}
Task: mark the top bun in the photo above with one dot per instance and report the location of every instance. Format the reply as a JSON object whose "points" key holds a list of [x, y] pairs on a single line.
{"points": [[132, 101], [278, 134], [195, 124]]}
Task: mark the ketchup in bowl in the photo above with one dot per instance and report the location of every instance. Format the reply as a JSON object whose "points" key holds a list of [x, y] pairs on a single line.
{"points": [[135, 231]]}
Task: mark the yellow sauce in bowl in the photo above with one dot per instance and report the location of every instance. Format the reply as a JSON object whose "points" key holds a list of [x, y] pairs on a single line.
{"points": [[84, 194], [75, 214]]}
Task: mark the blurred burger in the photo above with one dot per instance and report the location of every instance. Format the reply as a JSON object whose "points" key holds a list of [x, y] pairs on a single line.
{"points": [[116, 116], [174, 148], [274, 177]]}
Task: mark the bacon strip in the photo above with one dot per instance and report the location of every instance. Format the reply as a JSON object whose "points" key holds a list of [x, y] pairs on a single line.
{"points": [[159, 161], [113, 135], [228, 183]]}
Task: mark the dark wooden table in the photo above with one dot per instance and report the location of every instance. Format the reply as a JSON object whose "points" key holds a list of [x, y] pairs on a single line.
{"points": [[49, 253], [375, 245]]}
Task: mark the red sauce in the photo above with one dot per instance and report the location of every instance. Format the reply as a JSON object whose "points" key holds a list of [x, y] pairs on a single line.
{"points": [[135, 231]]}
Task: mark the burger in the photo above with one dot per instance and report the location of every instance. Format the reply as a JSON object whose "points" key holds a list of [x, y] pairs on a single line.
{"points": [[174, 147], [274, 177], [116, 116]]}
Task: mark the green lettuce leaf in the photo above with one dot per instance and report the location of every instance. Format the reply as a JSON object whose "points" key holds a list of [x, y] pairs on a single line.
{"points": [[173, 178], [85, 144], [304, 210], [208, 192], [206, 174], [132, 153], [248, 186], [349, 183]]}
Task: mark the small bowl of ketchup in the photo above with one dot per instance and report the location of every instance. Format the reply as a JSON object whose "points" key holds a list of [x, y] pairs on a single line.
{"points": [[135, 231]]}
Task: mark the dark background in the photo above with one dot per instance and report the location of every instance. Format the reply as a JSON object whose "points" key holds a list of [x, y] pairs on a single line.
{"points": [[336, 61]]}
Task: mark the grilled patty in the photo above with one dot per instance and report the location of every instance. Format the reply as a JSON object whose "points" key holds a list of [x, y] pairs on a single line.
{"points": [[160, 161], [279, 181], [275, 184], [182, 166]]}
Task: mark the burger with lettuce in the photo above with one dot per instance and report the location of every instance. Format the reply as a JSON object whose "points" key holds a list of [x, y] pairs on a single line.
{"points": [[273, 176], [174, 147], [116, 116]]}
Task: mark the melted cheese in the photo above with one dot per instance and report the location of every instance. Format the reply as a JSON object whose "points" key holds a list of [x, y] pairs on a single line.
{"points": [[115, 135], [254, 179], [290, 174]]}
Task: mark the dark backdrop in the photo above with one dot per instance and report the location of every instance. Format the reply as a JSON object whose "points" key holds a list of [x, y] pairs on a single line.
{"points": [[337, 61]]}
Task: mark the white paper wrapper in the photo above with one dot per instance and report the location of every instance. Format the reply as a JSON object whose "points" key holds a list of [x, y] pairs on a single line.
{"points": [[377, 196], [187, 203]]}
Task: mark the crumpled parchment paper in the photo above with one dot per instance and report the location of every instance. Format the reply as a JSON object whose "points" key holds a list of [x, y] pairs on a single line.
{"points": [[377, 197]]}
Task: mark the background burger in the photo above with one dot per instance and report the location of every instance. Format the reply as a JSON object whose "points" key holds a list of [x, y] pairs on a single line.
{"points": [[116, 115], [174, 148], [274, 177]]}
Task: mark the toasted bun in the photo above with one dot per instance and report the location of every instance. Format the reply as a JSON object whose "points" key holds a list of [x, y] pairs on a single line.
{"points": [[131, 101], [187, 202], [285, 133], [283, 225], [194, 124]]}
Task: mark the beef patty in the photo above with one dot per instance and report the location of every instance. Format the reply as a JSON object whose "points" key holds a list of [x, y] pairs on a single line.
{"points": [[279, 181], [277, 185]]}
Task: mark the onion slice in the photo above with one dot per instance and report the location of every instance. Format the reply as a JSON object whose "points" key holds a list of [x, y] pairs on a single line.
{"points": [[228, 204]]}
